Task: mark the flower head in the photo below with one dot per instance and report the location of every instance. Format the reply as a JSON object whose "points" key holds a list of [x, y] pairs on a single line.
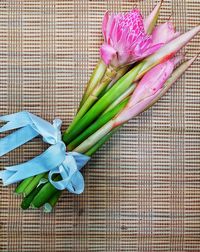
{"points": [[125, 39]]}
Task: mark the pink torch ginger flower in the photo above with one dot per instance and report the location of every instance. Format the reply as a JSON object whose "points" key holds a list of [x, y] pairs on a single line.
{"points": [[125, 39], [147, 90]]}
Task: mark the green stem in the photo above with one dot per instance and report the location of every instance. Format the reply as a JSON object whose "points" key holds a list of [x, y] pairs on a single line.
{"points": [[34, 183], [121, 72], [93, 96], [126, 94], [98, 145], [102, 104], [94, 138], [95, 78], [28, 199], [44, 194], [48, 207], [97, 124], [21, 187], [48, 190]]}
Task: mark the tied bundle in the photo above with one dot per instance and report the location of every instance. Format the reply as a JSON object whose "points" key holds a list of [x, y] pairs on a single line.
{"points": [[137, 66]]}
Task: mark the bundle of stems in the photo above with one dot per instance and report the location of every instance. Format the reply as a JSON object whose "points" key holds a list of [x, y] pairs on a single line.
{"points": [[114, 95]]}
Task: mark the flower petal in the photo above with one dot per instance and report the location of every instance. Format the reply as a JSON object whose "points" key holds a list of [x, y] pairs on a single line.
{"points": [[104, 24], [164, 33], [149, 51], [107, 53]]}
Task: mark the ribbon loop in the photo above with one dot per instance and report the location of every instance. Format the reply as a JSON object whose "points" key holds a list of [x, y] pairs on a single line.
{"points": [[54, 160], [72, 179]]}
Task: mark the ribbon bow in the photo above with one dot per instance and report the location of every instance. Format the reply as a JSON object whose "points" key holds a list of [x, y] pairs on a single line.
{"points": [[54, 160]]}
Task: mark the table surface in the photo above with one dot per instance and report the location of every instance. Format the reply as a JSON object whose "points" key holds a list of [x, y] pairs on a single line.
{"points": [[143, 187]]}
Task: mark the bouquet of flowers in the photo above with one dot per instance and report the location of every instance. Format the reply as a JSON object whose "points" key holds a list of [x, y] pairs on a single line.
{"points": [[137, 66]]}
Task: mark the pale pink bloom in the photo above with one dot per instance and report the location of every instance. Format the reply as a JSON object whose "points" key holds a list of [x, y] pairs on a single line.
{"points": [[125, 39], [148, 88], [164, 33]]}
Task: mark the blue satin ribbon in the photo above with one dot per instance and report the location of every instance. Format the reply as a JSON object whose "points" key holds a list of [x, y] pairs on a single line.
{"points": [[54, 160]]}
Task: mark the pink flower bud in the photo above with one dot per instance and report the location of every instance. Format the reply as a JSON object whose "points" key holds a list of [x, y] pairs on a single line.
{"points": [[148, 88]]}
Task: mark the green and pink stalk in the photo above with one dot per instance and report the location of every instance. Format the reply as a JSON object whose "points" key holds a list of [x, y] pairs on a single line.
{"points": [[102, 79], [162, 55], [110, 100]]}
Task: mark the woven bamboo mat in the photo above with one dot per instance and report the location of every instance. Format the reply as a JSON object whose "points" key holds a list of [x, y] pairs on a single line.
{"points": [[143, 187]]}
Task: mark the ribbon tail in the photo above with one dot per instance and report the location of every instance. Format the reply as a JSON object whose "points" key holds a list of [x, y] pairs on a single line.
{"points": [[16, 139], [5, 175], [14, 121], [48, 160], [76, 184]]}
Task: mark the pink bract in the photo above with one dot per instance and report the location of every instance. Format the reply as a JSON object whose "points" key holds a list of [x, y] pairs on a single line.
{"points": [[147, 89], [164, 33]]}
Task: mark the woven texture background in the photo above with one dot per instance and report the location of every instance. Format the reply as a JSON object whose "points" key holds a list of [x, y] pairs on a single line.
{"points": [[143, 187]]}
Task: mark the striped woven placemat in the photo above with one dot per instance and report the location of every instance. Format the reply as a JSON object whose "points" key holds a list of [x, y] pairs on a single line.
{"points": [[143, 187]]}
